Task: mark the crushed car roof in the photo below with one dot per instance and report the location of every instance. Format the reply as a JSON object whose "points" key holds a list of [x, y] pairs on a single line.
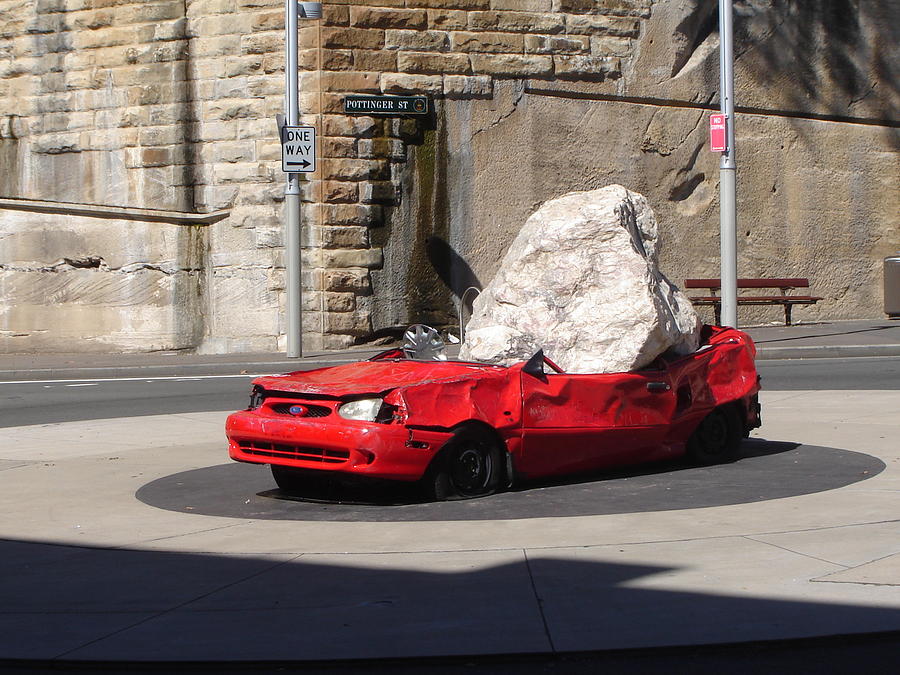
{"points": [[375, 377]]}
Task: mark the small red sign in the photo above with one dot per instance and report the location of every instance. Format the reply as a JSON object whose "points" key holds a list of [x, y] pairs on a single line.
{"points": [[718, 133]]}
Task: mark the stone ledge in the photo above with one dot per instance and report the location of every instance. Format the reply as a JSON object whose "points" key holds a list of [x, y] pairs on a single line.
{"points": [[115, 212]]}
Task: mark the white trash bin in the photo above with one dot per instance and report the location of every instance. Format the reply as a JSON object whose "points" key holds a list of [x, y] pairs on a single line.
{"points": [[892, 285]]}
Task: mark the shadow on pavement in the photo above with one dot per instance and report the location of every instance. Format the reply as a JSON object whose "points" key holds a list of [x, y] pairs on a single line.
{"points": [[75, 604]]}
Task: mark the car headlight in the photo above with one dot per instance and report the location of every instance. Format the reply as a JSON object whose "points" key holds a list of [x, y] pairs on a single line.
{"points": [[365, 409]]}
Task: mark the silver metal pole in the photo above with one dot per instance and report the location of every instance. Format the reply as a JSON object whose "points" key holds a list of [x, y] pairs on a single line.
{"points": [[727, 170], [294, 322]]}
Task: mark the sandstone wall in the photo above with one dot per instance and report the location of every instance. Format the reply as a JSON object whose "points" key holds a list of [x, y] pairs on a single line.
{"points": [[391, 204], [169, 105], [813, 199], [818, 139], [99, 280], [165, 105]]}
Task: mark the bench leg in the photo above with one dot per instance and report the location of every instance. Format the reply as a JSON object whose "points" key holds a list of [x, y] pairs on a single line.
{"points": [[718, 310], [787, 313]]}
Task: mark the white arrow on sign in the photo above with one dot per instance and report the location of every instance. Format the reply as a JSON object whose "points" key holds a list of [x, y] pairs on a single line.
{"points": [[298, 149]]}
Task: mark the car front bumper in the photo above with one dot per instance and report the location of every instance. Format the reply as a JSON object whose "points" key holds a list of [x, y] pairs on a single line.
{"points": [[388, 451]]}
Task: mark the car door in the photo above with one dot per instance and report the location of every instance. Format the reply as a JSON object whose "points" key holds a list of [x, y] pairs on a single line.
{"points": [[581, 422]]}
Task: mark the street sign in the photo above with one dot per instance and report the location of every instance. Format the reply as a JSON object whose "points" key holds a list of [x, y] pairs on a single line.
{"points": [[298, 149], [718, 133], [386, 105]]}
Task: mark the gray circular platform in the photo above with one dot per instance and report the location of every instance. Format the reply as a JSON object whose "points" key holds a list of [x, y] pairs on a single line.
{"points": [[766, 470]]}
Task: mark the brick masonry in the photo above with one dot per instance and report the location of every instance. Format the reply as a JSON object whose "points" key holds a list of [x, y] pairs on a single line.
{"points": [[449, 50], [170, 104]]}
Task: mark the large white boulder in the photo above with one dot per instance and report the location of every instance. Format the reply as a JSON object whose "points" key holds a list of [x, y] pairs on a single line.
{"points": [[582, 281]]}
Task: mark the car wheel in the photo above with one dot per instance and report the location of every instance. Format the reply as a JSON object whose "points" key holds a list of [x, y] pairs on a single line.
{"points": [[290, 479], [717, 438], [470, 465]]}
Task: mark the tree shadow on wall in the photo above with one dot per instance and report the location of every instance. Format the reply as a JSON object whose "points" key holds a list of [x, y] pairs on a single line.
{"points": [[842, 55]]}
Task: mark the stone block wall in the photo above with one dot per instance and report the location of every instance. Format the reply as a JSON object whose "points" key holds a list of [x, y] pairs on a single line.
{"points": [[539, 98], [453, 51], [818, 148], [104, 280], [165, 105], [236, 66], [169, 106], [94, 99]]}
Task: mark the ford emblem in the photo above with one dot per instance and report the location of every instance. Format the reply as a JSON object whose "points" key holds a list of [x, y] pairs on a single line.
{"points": [[297, 410]]}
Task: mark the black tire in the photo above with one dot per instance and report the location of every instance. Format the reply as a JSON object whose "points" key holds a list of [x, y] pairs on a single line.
{"points": [[470, 465], [292, 480], [717, 438]]}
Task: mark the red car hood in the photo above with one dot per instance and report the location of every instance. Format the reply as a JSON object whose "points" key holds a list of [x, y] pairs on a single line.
{"points": [[375, 377]]}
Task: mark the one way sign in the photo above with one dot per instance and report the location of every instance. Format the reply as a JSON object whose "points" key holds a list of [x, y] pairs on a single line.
{"points": [[298, 149]]}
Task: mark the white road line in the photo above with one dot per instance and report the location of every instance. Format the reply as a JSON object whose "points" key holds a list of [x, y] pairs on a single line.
{"points": [[180, 378]]}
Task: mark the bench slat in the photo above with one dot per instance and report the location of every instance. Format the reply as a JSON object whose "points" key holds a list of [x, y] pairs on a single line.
{"points": [[765, 299], [794, 282]]}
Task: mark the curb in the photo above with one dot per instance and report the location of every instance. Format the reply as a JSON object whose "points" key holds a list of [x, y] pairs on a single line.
{"points": [[825, 352]]}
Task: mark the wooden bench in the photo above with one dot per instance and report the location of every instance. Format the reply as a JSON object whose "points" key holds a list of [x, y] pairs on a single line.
{"points": [[784, 285]]}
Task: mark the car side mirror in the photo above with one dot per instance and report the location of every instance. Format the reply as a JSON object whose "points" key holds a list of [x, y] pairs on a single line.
{"points": [[535, 366]]}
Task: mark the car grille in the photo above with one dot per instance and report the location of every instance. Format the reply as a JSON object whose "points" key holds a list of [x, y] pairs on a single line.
{"points": [[311, 410], [281, 450]]}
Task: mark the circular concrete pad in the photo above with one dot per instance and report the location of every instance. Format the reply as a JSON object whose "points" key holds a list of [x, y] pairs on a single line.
{"points": [[766, 470]]}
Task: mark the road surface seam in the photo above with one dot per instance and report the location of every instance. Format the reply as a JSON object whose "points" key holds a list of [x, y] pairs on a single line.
{"points": [[177, 607], [131, 546], [539, 601], [800, 553]]}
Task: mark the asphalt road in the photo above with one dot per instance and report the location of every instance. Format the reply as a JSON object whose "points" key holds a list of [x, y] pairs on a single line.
{"points": [[44, 402], [24, 403], [876, 373]]}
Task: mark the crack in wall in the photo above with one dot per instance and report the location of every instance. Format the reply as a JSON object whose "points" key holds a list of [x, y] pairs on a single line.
{"points": [[854, 101], [520, 93], [97, 263], [652, 144]]}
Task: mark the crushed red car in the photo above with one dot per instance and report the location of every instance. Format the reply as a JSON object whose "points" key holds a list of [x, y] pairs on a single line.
{"points": [[469, 429]]}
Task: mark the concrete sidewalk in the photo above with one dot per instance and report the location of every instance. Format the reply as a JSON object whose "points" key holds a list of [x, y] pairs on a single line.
{"points": [[832, 339], [137, 540], [116, 545]]}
